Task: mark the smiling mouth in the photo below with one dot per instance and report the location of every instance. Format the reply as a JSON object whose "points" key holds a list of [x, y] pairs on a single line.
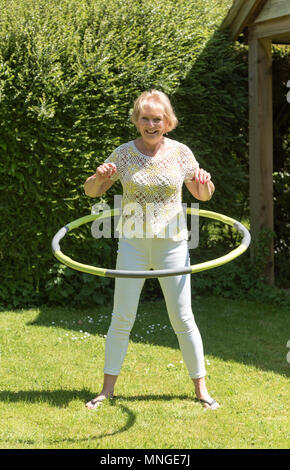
{"points": [[151, 132]]}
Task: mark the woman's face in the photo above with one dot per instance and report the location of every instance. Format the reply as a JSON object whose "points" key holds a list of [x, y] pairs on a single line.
{"points": [[152, 124]]}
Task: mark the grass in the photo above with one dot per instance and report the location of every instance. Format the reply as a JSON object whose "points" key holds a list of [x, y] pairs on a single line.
{"points": [[52, 361]]}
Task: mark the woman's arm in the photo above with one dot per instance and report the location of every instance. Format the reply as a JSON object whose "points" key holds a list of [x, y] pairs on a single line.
{"points": [[100, 182], [201, 186]]}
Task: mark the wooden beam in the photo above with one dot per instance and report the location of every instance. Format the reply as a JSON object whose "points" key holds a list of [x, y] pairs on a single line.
{"points": [[272, 29], [241, 13], [274, 9], [283, 39], [261, 144]]}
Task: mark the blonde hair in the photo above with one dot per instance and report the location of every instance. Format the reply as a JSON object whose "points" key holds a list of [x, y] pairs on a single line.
{"points": [[155, 98]]}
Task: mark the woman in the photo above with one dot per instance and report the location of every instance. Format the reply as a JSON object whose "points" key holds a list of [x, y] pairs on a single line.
{"points": [[152, 170]]}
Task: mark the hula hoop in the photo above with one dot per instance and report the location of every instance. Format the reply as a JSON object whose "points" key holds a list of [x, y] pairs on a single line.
{"points": [[152, 273]]}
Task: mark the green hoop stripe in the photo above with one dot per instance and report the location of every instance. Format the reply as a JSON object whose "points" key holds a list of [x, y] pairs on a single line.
{"points": [[152, 273]]}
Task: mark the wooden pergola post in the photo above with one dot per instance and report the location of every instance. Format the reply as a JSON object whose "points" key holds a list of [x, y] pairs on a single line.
{"points": [[263, 23], [261, 144]]}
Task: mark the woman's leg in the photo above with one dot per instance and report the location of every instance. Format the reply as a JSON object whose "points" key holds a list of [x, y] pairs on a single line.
{"points": [[177, 294], [131, 256], [126, 299]]}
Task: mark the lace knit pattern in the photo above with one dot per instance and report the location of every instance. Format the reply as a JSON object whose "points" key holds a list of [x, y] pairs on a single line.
{"points": [[155, 183]]}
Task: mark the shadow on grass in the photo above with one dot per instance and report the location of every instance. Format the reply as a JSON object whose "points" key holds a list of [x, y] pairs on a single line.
{"points": [[58, 398], [62, 398]]}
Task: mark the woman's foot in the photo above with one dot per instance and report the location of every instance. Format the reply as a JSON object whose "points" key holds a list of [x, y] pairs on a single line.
{"points": [[107, 392], [203, 395], [209, 403], [98, 400]]}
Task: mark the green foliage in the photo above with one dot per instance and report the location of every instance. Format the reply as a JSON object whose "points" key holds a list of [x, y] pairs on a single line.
{"points": [[69, 72], [212, 103], [67, 286], [243, 277], [238, 280]]}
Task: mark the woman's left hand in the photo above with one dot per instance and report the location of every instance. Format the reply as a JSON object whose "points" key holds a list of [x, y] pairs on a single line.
{"points": [[201, 176], [201, 185]]}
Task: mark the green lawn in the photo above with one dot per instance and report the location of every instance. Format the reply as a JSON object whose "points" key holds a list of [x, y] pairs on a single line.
{"points": [[52, 360]]}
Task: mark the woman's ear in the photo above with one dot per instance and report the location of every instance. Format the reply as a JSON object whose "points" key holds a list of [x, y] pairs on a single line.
{"points": [[136, 125], [167, 126]]}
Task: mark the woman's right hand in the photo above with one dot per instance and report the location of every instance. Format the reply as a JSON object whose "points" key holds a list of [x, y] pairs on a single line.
{"points": [[99, 183], [105, 171]]}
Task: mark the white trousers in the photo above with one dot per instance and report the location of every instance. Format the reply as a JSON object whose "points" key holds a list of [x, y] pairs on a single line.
{"points": [[144, 254]]}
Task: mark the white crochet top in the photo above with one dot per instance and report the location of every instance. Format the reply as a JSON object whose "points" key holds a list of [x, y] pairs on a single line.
{"points": [[152, 189]]}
